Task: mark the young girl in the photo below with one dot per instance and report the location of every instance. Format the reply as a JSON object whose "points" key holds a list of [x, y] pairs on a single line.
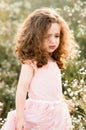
{"points": [[42, 45]]}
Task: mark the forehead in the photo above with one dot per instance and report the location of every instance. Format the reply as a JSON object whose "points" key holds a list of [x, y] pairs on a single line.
{"points": [[54, 28]]}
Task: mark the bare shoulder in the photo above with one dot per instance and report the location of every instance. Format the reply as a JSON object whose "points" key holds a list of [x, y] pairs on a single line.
{"points": [[27, 69], [25, 77]]}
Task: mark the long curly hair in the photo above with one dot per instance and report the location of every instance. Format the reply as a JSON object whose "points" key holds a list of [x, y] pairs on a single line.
{"points": [[30, 37]]}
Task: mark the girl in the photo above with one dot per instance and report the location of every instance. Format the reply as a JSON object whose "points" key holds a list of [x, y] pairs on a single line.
{"points": [[42, 45]]}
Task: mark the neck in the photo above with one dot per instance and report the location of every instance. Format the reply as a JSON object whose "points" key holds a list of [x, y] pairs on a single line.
{"points": [[50, 57]]}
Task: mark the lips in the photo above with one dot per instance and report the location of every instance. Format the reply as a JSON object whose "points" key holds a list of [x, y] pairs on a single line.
{"points": [[52, 47]]}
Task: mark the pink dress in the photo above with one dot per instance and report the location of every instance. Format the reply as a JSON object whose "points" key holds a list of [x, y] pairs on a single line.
{"points": [[45, 108]]}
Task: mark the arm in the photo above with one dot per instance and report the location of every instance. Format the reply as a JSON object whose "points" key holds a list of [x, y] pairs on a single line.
{"points": [[23, 84]]}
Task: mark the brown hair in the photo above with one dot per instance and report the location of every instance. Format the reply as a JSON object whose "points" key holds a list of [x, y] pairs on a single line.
{"points": [[30, 37]]}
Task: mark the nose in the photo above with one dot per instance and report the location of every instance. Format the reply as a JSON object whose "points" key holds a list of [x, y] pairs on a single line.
{"points": [[52, 40]]}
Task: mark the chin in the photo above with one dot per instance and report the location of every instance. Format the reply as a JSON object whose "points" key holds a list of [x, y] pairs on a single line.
{"points": [[51, 51]]}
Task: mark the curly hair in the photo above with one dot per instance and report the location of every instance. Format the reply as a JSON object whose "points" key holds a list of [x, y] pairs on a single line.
{"points": [[31, 35]]}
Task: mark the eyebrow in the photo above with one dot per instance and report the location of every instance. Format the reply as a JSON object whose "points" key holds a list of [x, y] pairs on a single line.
{"points": [[55, 33]]}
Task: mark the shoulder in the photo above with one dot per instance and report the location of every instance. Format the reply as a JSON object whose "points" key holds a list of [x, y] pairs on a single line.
{"points": [[27, 68], [30, 64], [26, 75]]}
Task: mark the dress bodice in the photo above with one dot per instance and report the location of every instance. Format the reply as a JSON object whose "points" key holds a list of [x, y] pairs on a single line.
{"points": [[46, 83]]}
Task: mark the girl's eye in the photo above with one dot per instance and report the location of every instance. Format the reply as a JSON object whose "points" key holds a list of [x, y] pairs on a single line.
{"points": [[49, 36], [57, 36], [46, 37]]}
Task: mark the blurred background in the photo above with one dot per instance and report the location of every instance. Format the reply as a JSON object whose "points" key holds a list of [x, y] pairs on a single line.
{"points": [[12, 14]]}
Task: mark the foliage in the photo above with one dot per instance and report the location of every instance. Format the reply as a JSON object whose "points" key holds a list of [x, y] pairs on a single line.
{"points": [[74, 88], [12, 13]]}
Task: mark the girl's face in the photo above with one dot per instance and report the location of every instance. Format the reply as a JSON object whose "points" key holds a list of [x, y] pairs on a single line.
{"points": [[52, 38]]}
